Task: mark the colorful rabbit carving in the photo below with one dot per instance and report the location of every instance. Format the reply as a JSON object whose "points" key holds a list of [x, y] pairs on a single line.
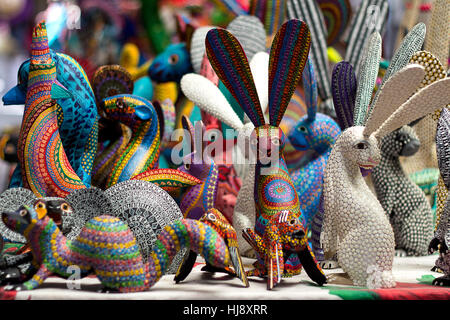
{"points": [[316, 132], [273, 189], [355, 225], [44, 165], [198, 199], [209, 98], [284, 235]]}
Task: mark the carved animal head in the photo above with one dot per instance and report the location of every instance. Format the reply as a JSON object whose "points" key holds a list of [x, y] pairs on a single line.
{"points": [[314, 131], [129, 109], [290, 231], [398, 102], [25, 219], [400, 142], [171, 64]]}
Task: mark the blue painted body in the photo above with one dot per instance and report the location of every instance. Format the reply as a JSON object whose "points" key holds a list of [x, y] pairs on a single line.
{"points": [[77, 119]]}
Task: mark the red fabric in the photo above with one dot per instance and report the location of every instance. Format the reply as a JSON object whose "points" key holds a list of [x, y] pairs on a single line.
{"points": [[7, 295], [414, 291]]}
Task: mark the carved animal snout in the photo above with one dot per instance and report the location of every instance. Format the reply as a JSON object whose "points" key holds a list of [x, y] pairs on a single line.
{"points": [[410, 148]]}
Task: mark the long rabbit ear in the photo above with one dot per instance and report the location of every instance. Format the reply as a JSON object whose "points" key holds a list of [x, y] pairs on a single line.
{"points": [[309, 12], [425, 101], [394, 92], [209, 98], [271, 12], [367, 78], [371, 16], [343, 86], [288, 55], [250, 33], [260, 71], [231, 65], [410, 44], [310, 86]]}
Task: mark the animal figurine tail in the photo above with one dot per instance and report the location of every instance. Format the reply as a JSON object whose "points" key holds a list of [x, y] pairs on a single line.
{"points": [[107, 247]]}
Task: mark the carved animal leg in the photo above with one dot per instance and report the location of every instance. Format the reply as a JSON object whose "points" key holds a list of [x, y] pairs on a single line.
{"points": [[37, 279]]}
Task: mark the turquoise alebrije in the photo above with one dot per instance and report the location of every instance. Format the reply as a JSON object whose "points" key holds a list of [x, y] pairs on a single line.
{"points": [[44, 165], [77, 116]]}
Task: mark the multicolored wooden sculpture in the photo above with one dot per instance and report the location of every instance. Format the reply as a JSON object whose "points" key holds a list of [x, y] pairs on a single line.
{"points": [[316, 132], [218, 222], [20, 267], [44, 165], [108, 239], [284, 235], [273, 189], [77, 114], [210, 99], [168, 179], [142, 151], [198, 199]]}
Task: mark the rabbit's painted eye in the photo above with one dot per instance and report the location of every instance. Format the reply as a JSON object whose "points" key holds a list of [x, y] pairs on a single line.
{"points": [[361, 145], [23, 212], [302, 129], [292, 222], [65, 207], [173, 59], [212, 217], [187, 166]]}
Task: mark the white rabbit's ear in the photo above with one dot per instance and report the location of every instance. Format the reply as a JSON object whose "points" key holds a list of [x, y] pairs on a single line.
{"points": [[412, 43], [425, 101], [394, 92], [209, 98], [259, 66], [367, 78]]}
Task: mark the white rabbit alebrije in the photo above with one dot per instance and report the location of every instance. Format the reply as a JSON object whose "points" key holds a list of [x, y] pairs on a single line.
{"points": [[355, 225]]}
